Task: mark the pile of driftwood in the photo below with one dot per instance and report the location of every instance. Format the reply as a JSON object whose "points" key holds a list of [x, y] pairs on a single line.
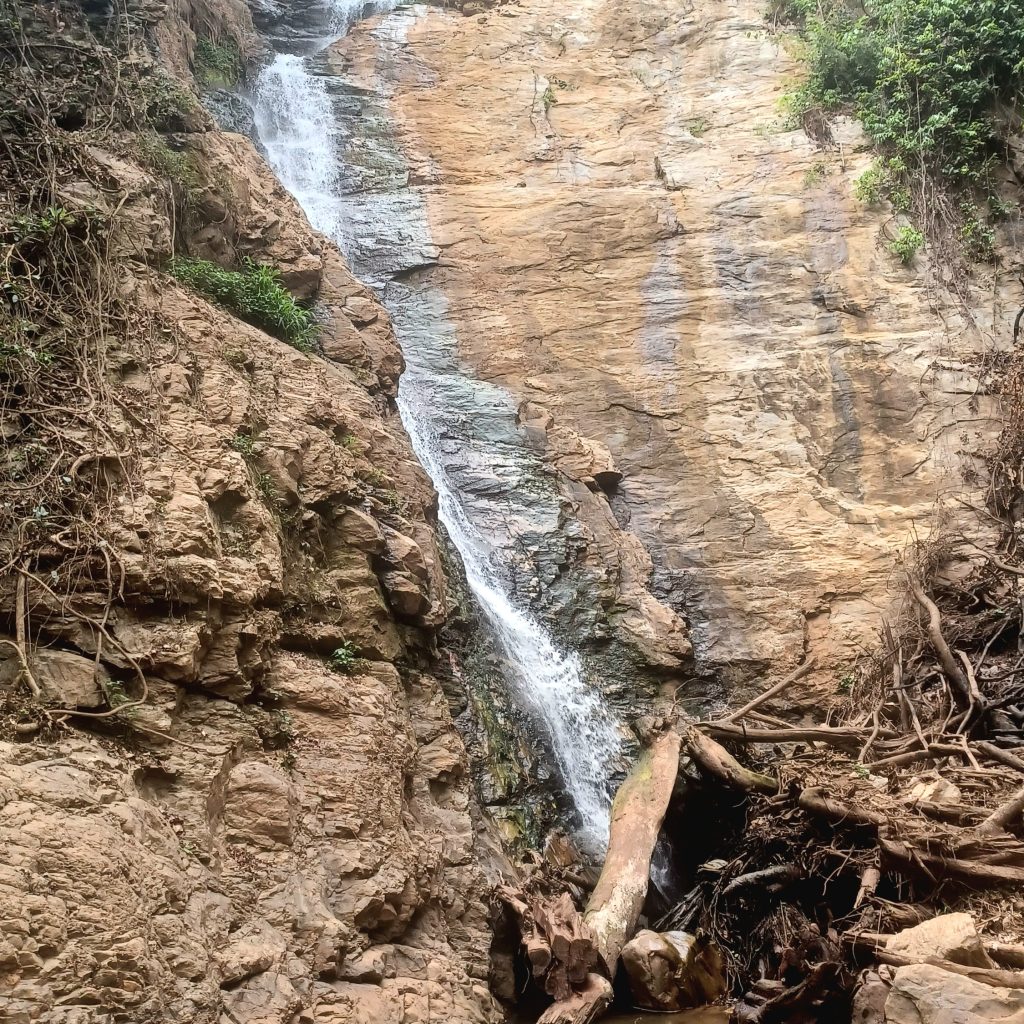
{"points": [[849, 828]]}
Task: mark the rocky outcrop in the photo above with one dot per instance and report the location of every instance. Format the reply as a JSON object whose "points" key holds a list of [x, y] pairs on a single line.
{"points": [[653, 266], [271, 821]]}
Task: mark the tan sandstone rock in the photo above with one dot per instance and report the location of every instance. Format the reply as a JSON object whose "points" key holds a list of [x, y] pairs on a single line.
{"points": [[923, 994]]}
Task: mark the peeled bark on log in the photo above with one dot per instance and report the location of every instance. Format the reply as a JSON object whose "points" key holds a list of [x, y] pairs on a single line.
{"points": [[557, 944], [673, 970], [637, 815], [581, 1007]]}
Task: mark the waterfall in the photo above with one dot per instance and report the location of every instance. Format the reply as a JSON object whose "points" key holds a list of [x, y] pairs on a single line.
{"points": [[297, 125]]}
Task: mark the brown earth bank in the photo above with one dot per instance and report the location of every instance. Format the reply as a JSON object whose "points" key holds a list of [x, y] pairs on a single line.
{"points": [[223, 548], [634, 245]]}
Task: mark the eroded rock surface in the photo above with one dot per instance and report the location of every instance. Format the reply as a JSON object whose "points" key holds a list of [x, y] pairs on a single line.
{"points": [[268, 830], [688, 304]]}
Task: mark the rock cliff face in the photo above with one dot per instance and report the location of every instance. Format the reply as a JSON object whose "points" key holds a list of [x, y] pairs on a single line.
{"points": [[276, 826], [678, 289]]}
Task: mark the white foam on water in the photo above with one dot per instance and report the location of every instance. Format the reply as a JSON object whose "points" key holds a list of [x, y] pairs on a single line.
{"points": [[295, 121]]}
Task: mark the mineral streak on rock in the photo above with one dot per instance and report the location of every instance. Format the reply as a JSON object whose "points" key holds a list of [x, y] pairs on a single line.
{"points": [[690, 305]]}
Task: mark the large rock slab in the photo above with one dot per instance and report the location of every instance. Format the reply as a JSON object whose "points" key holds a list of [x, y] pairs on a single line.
{"points": [[923, 994], [949, 937]]}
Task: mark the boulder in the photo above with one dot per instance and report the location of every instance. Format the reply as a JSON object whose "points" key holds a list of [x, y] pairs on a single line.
{"points": [[253, 949], [869, 1000], [64, 677], [361, 531], [405, 594], [260, 805], [948, 937], [924, 994], [938, 791], [673, 970], [406, 554]]}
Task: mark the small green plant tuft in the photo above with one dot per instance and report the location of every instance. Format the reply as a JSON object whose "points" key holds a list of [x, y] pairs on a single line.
{"points": [[698, 126], [255, 294], [217, 63], [244, 444], [1001, 209], [173, 165], [265, 485], [548, 98], [815, 174], [906, 244], [344, 659], [169, 107]]}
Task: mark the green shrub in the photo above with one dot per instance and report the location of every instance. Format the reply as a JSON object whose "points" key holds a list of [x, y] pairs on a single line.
{"points": [[344, 659], [872, 186], [906, 244], [217, 63], [924, 76], [255, 294], [978, 239]]}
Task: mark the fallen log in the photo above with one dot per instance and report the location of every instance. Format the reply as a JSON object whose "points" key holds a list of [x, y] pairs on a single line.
{"points": [[846, 739], [637, 815], [774, 876], [938, 867], [713, 759], [960, 686], [868, 941], [814, 800], [772, 691], [1005, 954], [1006, 814]]}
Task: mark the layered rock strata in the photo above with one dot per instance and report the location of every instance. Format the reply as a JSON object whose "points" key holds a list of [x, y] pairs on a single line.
{"points": [[745, 396], [277, 825]]}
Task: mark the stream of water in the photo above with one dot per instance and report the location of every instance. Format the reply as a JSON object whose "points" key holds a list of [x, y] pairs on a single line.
{"points": [[453, 419]]}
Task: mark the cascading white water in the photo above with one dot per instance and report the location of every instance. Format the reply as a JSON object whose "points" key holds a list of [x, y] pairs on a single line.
{"points": [[297, 126], [295, 122]]}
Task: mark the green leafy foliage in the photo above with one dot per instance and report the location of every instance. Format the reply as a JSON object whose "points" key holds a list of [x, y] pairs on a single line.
{"points": [[217, 63], [344, 659], [244, 444], [173, 165], [884, 180], [926, 77], [255, 294], [906, 243]]}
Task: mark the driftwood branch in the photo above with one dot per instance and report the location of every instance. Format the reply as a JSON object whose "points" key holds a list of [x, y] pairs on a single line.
{"points": [[960, 686], [1006, 814], [713, 759], [637, 816], [772, 691]]}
